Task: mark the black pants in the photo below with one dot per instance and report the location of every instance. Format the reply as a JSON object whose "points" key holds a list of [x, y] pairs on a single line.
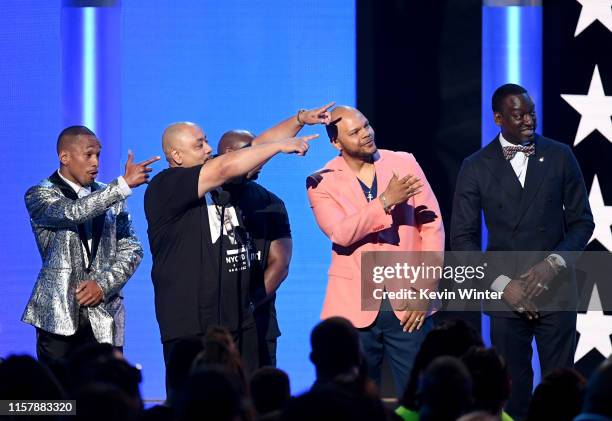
{"points": [[555, 335], [53, 350], [267, 351], [267, 332]]}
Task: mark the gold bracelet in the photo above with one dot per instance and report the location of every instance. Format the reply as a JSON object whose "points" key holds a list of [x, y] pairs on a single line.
{"points": [[297, 117]]}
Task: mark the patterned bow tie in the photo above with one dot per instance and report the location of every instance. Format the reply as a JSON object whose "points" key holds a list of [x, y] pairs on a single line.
{"points": [[510, 151]]}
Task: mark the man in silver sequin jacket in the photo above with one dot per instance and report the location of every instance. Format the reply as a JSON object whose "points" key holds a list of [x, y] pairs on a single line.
{"points": [[88, 249]]}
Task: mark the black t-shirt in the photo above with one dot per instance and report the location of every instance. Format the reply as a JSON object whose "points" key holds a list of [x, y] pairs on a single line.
{"points": [[265, 218], [185, 259]]}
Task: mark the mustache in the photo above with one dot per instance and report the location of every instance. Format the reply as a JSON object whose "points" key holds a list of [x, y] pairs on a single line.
{"points": [[367, 139]]}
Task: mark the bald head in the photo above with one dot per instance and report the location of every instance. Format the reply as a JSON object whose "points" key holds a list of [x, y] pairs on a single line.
{"points": [[341, 111], [185, 144], [175, 134], [350, 133], [234, 140]]}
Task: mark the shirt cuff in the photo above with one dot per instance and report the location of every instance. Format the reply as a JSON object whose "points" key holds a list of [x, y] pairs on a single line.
{"points": [[123, 185], [500, 283]]}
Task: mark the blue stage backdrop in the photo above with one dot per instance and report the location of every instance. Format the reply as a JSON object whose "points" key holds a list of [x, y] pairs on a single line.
{"points": [[224, 65], [236, 64]]}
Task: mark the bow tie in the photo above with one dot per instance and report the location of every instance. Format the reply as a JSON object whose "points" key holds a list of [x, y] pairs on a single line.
{"points": [[510, 151]]}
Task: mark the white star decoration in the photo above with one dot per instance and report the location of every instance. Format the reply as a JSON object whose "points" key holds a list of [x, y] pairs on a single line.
{"points": [[593, 10], [595, 108], [595, 329], [602, 215]]}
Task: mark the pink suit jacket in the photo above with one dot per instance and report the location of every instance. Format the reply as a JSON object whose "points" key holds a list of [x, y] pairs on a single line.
{"points": [[347, 218]]}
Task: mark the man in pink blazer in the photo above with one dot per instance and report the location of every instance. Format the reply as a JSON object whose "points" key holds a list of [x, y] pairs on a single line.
{"points": [[371, 200]]}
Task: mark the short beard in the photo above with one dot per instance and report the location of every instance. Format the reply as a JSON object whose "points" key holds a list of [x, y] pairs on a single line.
{"points": [[366, 157]]}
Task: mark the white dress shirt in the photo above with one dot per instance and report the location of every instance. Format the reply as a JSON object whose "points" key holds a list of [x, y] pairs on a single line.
{"points": [[519, 162]]}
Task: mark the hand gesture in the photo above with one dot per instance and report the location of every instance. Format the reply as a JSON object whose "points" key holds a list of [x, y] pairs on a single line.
{"points": [[137, 174], [316, 115], [298, 145], [89, 293], [537, 279], [514, 295], [400, 190], [413, 320]]}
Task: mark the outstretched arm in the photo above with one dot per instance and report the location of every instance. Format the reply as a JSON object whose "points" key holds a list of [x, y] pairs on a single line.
{"points": [[50, 208], [234, 164], [292, 125]]}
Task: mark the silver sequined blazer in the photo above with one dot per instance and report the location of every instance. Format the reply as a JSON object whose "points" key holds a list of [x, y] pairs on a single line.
{"points": [[57, 216]]}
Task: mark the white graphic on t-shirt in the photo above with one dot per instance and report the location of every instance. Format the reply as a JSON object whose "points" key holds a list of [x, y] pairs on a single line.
{"points": [[230, 220], [237, 255]]}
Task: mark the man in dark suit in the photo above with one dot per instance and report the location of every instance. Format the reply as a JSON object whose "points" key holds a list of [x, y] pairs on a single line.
{"points": [[534, 200]]}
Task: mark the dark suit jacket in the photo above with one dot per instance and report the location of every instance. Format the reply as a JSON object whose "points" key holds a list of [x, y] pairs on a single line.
{"points": [[551, 214]]}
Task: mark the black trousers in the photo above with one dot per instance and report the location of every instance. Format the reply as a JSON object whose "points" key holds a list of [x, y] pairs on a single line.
{"points": [[555, 335], [53, 350], [267, 332], [267, 351]]}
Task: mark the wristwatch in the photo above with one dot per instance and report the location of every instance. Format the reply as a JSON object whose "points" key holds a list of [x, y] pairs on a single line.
{"points": [[556, 262], [297, 117], [386, 206]]}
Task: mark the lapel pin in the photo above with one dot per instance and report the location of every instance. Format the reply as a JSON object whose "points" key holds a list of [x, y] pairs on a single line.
{"points": [[541, 159]]}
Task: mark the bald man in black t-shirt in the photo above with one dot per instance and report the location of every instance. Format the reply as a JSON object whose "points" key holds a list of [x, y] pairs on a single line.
{"points": [[186, 238]]}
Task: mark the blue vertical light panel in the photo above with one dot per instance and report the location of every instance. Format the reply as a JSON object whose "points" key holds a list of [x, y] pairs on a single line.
{"points": [[88, 68], [91, 75], [511, 53]]}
